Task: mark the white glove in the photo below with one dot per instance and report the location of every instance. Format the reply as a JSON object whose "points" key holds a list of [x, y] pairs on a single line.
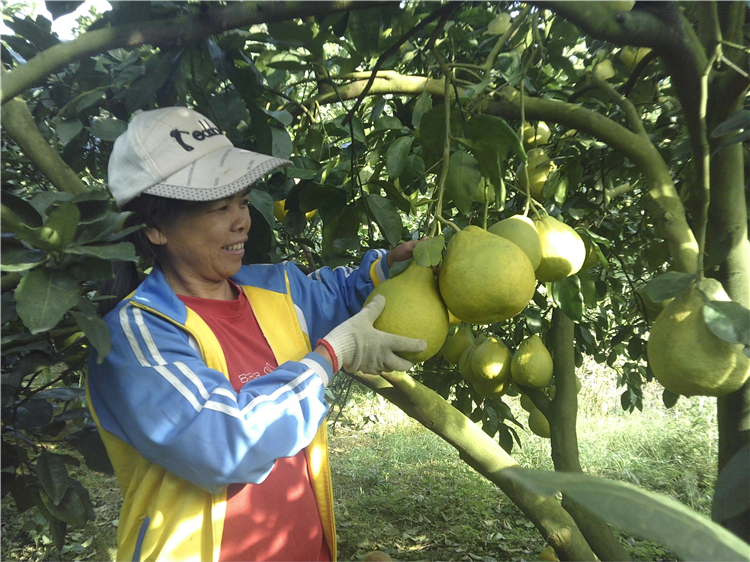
{"points": [[360, 347]]}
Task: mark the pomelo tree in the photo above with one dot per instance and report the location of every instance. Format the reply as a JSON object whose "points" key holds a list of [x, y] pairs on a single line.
{"points": [[401, 120]]}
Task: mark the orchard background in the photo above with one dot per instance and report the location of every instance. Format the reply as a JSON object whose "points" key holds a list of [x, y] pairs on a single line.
{"points": [[400, 118]]}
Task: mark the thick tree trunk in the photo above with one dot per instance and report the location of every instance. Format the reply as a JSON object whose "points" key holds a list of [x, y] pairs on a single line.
{"points": [[727, 222], [485, 455], [563, 415]]}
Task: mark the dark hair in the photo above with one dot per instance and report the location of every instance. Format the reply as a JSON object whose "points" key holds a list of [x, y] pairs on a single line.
{"points": [[150, 211]]}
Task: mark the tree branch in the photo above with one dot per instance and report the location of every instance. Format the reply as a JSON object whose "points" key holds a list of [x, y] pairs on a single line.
{"points": [[634, 120], [163, 33], [484, 454], [20, 126]]}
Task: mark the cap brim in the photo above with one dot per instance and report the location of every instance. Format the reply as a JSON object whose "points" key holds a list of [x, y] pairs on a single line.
{"points": [[217, 175]]}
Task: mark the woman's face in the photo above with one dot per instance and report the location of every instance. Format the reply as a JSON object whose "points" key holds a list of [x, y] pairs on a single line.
{"points": [[205, 248]]}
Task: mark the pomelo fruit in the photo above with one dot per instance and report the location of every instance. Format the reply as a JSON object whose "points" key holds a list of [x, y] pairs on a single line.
{"points": [[485, 278], [532, 363], [521, 230], [685, 356], [413, 308], [563, 250]]}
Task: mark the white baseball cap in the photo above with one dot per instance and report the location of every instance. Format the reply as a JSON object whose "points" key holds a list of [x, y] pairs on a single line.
{"points": [[177, 153]]}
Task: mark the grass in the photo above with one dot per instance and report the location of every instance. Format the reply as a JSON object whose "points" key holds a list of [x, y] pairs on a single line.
{"points": [[401, 489]]}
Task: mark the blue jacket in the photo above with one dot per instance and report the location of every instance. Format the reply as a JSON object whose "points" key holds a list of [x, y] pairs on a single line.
{"points": [[176, 431]]}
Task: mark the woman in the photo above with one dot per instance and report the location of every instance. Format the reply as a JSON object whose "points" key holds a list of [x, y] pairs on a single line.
{"points": [[211, 401]]}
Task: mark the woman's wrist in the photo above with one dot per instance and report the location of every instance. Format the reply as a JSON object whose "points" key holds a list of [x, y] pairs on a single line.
{"points": [[327, 355]]}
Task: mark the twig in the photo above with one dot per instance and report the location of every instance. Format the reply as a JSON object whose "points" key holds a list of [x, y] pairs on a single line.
{"points": [[631, 114], [292, 101], [449, 223], [448, 8], [446, 145], [505, 37]]}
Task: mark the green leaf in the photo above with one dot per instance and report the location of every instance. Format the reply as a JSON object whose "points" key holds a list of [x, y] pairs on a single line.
{"points": [[432, 132], [340, 230], [386, 122], [399, 267], [96, 332], [728, 320], [736, 122], [67, 129], [533, 319], [364, 29], [567, 295], [312, 195], [429, 253], [108, 129], [281, 143], [264, 203], [463, 180], [386, 216], [122, 251], [16, 257], [61, 225], [43, 297], [23, 211], [668, 285], [74, 507], [651, 516], [412, 176], [421, 106], [51, 471], [395, 158]]}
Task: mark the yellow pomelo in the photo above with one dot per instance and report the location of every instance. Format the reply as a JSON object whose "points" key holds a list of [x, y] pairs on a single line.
{"points": [[280, 212], [413, 308], [685, 357], [538, 424], [521, 230], [604, 69], [538, 166], [563, 250], [455, 344], [485, 278], [490, 388], [631, 56], [533, 136], [532, 363], [500, 24], [491, 361], [452, 320], [526, 403]]}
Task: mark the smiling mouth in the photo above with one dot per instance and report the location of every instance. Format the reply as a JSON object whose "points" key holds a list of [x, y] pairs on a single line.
{"points": [[233, 247]]}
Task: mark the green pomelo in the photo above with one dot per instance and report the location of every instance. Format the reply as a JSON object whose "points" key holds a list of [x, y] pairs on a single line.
{"points": [[538, 424]]}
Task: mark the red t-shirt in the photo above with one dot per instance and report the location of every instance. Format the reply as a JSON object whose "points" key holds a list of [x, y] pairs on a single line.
{"points": [[277, 519]]}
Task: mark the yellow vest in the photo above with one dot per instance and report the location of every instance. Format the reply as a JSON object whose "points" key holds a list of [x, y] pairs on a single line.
{"points": [[186, 522]]}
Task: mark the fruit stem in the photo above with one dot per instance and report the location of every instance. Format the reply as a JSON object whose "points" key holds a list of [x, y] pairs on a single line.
{"points": [[705, 158], [449, 223], [447, 145]]}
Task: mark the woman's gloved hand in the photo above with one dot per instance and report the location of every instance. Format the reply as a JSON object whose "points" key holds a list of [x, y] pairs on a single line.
{"points": [[360, 347]]}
